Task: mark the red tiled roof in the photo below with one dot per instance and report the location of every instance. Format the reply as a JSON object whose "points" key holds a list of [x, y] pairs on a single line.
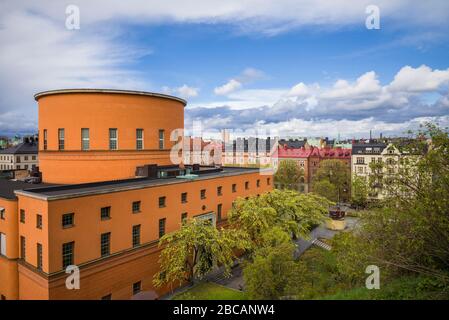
{"points": [[328, 153]]}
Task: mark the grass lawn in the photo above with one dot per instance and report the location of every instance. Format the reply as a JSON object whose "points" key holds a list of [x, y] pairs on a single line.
{"points": [[210, 291]]}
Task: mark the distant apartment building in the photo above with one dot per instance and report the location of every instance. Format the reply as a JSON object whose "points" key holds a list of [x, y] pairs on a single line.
{"points": [[249, 152], [110, 190], [22, 156], [364, 158], [309, 158]]}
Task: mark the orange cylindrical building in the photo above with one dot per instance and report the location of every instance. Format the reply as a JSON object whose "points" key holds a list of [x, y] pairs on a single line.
{"points": [[90, 135]]}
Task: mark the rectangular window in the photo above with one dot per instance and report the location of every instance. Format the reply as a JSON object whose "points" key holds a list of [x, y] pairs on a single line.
{"points": [[136, 207], [161, 227], [68, 220], [139, 139], [234, 187], [85, 139], [219, 208], [105, 244], [45, 139], [258, 183], [161, 202], [2, 213], [203, 194], [22, 247], [105, 213], [39, 256], [219, 191], [137, 287], [22, 216], [68, 253], [136, 235], [183, 217], [246, 185], [161, 139], [113, 139], [61, 139], [268, 181], [360, 160], [2, 244], [184, 197], [38, 221]]}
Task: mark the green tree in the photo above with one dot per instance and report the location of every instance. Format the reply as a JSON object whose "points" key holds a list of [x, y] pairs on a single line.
{"points": [[288, 175], [410, 233], [193, 251], [326, 189], [359, 191], [337, 173], [273, 273], [294, 212]]}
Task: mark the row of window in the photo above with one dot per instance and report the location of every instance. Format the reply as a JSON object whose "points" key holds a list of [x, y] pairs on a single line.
{"points": [[113, 139], [23, 249], [68, 249], [18, 166], [18, 158], [105, 212]]}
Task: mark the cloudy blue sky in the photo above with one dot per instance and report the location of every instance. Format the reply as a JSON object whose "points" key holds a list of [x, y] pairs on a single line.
{"points": [[296, 67]]}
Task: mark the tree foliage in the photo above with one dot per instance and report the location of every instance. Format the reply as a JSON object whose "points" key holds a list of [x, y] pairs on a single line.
{"points": [[288, 175], [293, 212], [195, 249], [336, 173], [273, 273], [359, 189], [410, 233]]}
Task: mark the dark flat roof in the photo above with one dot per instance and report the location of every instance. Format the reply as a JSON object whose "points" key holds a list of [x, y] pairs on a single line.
{"points": [[116, 91], [7, 187], [78, 190], [21, 148]]}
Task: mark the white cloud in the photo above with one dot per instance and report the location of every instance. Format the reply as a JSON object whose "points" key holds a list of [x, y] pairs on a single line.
{"points": [[228, 87], [247, 76], [300, 90], [367, 84], [183, 91], [419, 79], [268, 17]]}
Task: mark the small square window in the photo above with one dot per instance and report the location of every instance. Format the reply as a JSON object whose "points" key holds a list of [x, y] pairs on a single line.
{"points": [[136, 207], [184, 197], [161, 202], [203, 194], [68, 220], [219, 190], [105, 213]]}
